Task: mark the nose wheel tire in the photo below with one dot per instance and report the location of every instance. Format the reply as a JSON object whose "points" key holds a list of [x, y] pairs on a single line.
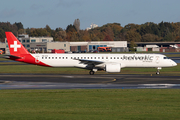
{"points": [[157, 73], [158, 70], [91, 72]]}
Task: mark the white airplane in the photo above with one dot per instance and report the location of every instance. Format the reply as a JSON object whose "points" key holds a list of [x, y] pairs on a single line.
{"points": [[110, 63]]}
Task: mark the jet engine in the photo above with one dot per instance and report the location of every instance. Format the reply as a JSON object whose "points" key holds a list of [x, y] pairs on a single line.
{"points": [[113, 67]]}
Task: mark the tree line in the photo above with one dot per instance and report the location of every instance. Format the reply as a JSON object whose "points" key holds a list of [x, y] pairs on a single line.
{"points": [[148, 32]]}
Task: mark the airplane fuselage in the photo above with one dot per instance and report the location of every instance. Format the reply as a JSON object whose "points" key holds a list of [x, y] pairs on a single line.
{"points": [[93, 62], [126, 60]]}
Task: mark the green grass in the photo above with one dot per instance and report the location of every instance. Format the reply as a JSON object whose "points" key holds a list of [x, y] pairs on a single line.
{"points": [[101, 104], [39, 69]]}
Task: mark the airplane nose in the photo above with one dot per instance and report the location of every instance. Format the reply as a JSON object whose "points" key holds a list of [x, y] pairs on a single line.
{"points": [[174, 64]]}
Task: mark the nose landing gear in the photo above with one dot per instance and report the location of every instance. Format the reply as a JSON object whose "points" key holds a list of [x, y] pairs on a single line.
{"points": [[158, 70], [157, 73]]}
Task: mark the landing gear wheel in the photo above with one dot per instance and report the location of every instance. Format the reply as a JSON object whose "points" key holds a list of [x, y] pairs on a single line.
{"points": [[91, 72], [158, 70], [157, 73]]}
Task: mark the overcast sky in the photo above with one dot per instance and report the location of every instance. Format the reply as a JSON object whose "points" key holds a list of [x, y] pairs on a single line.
{"points": [[61, 13]]}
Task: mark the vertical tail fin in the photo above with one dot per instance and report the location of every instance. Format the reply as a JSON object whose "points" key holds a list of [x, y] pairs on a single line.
{"points": [[15, 47], [19, 53]]}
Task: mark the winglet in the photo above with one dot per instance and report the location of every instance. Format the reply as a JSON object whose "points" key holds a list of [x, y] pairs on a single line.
{"points": [[15, 47]]}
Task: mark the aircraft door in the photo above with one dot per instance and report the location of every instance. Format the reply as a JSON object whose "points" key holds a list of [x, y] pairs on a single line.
{"points": [[157, 59]]}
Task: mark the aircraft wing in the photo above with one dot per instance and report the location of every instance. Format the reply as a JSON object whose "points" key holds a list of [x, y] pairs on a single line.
{"points": [[90, 62]]}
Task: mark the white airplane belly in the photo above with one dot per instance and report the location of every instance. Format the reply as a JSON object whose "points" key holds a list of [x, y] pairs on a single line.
{"points": [[61, 63]]}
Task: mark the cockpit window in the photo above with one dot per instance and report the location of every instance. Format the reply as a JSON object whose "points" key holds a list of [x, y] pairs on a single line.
{"points": [[166, 58]]}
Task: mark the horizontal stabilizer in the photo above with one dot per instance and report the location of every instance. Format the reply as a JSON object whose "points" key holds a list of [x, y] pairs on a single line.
{"points": [[12, 57]]}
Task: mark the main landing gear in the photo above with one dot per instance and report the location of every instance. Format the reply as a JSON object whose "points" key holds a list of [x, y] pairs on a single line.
{"points": [[92, 71], [158, 70]]}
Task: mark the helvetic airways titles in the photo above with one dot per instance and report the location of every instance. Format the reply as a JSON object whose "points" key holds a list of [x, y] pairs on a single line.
{"points": [[146, 57]]}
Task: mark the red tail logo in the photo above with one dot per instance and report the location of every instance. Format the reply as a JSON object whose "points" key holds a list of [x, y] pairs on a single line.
{"points": [[15, 47]]}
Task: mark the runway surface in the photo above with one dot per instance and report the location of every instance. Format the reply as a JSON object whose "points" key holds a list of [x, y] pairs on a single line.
{"points": [[103, 81]]}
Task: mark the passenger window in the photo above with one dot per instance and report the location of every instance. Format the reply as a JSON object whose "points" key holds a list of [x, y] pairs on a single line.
{"points": [[42, 57], [106, 57], [56, 57], [66, 57], [59, 57], [52, 57], [49, 57], [94, 57]]}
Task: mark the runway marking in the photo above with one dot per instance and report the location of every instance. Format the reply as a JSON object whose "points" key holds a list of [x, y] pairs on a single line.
{"points": [[5, 82], [111, 81], [69, 76], [158, 84]]}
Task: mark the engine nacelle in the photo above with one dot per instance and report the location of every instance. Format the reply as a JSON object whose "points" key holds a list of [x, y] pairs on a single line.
{"points": [[113, 67]]}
